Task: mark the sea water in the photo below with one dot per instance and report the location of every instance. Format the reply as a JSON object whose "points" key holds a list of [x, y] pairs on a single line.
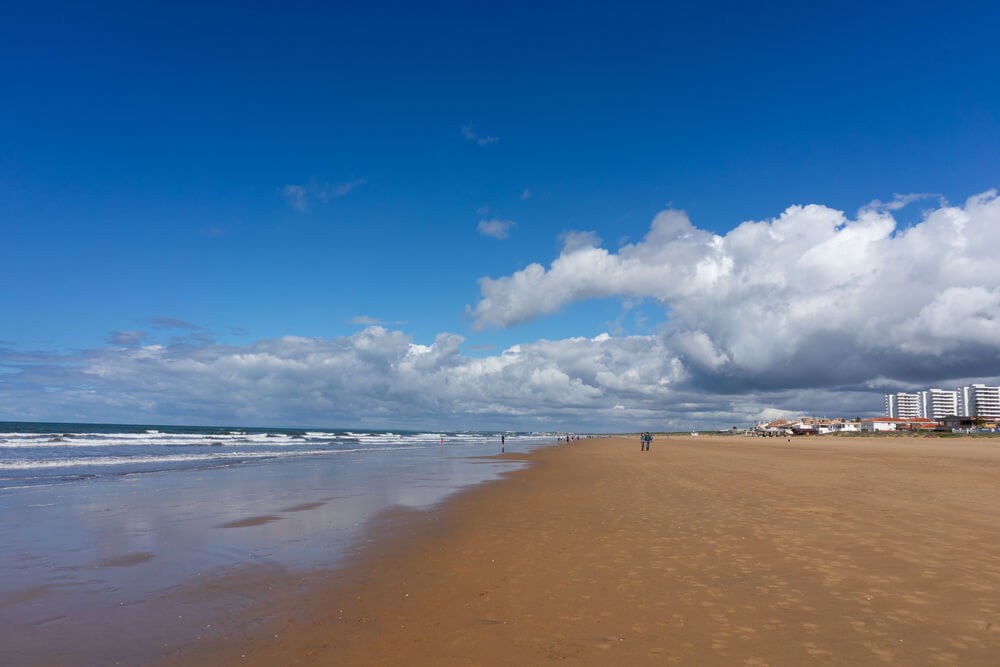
{"points": [[52, 453], [117, 522]]}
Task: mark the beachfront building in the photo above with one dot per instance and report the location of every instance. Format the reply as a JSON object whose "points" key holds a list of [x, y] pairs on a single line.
{"points": [[938, 403], [958, 423], [974, 400], [803, 427], [878, 424], [772, 429], [979, 400], [843, 427], [903, 405], [917, 424]]}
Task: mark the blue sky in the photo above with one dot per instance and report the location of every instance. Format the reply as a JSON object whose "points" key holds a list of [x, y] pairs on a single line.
{"points": [[214, 179]]}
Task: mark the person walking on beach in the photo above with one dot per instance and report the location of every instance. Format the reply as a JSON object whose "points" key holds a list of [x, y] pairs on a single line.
{"points": [[503, 442], [649, 439]]}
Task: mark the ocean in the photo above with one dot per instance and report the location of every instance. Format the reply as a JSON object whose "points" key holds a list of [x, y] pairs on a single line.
{"points": [[110, 530], [38, 453]]}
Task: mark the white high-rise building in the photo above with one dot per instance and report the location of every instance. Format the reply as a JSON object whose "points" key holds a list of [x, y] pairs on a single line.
{"points": [[902, 405], [938, 403], [974, 400], [979, 400]]}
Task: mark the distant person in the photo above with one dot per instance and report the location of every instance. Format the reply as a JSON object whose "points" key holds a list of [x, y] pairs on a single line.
{"points": [[503, 443], [649, 439]]}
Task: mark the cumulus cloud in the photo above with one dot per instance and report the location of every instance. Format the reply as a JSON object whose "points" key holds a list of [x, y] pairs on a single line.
{"points": [[574, 240], [378, 377], [899, 201], [470, 134], [810, 312], [810, 298], [498, 229], [374, 377]]}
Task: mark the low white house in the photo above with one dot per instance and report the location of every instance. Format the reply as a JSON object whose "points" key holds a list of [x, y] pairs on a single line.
{"points": [[878, 424], [843, 427]]}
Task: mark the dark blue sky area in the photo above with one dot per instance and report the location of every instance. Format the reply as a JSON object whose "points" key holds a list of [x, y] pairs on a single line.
{"points": [[145, 151]]}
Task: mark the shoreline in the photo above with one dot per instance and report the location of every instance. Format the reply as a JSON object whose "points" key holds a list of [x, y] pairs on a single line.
{"points": [[171, 557], [310, 598], [707, 550]]}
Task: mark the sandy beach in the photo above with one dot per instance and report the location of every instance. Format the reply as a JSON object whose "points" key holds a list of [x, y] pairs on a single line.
{"points": [[703, 551]]}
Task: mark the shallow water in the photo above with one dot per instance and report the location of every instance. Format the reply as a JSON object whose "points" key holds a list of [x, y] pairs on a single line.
{"points": [[132, 550]]}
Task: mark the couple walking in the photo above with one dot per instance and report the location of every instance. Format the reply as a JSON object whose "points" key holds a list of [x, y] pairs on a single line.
{"points": [[644, 440]]}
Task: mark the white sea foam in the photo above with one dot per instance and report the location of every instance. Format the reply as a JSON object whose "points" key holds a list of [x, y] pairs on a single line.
{"points": [[24, 464], [153, 439], [385, 438], [27, 464], [59, 454]]}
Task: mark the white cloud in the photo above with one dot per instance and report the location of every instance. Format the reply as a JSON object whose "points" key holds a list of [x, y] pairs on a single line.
{"points": [[296, 197], [376, 376], [382, 378], [574, 240], [899, 201], [809, 312], [341, 189], [300, 197], [470, 134], [498, 229], [368, 321], [811, 292]]}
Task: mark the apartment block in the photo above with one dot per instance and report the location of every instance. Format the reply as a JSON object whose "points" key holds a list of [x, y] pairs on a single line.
{"points": [[974, 400], [902, 405], [938, 403], [979, 400]]}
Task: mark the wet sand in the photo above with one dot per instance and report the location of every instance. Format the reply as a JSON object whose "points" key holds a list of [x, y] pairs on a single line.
{"points": [[707, 551], [168, 558]]}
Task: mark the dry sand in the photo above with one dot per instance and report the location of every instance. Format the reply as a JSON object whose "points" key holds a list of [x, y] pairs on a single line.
{"points": [[703, 551]]}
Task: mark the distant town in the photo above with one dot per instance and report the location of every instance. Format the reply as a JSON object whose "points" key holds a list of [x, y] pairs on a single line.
{"points": [[973, 408]]}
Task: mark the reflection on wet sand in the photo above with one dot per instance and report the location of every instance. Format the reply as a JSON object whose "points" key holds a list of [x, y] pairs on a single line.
{"points": [[93, 561]]}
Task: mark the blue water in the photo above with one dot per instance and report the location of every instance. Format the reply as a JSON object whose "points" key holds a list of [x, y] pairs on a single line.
{"points": [[105, 529], [50, 453]]}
